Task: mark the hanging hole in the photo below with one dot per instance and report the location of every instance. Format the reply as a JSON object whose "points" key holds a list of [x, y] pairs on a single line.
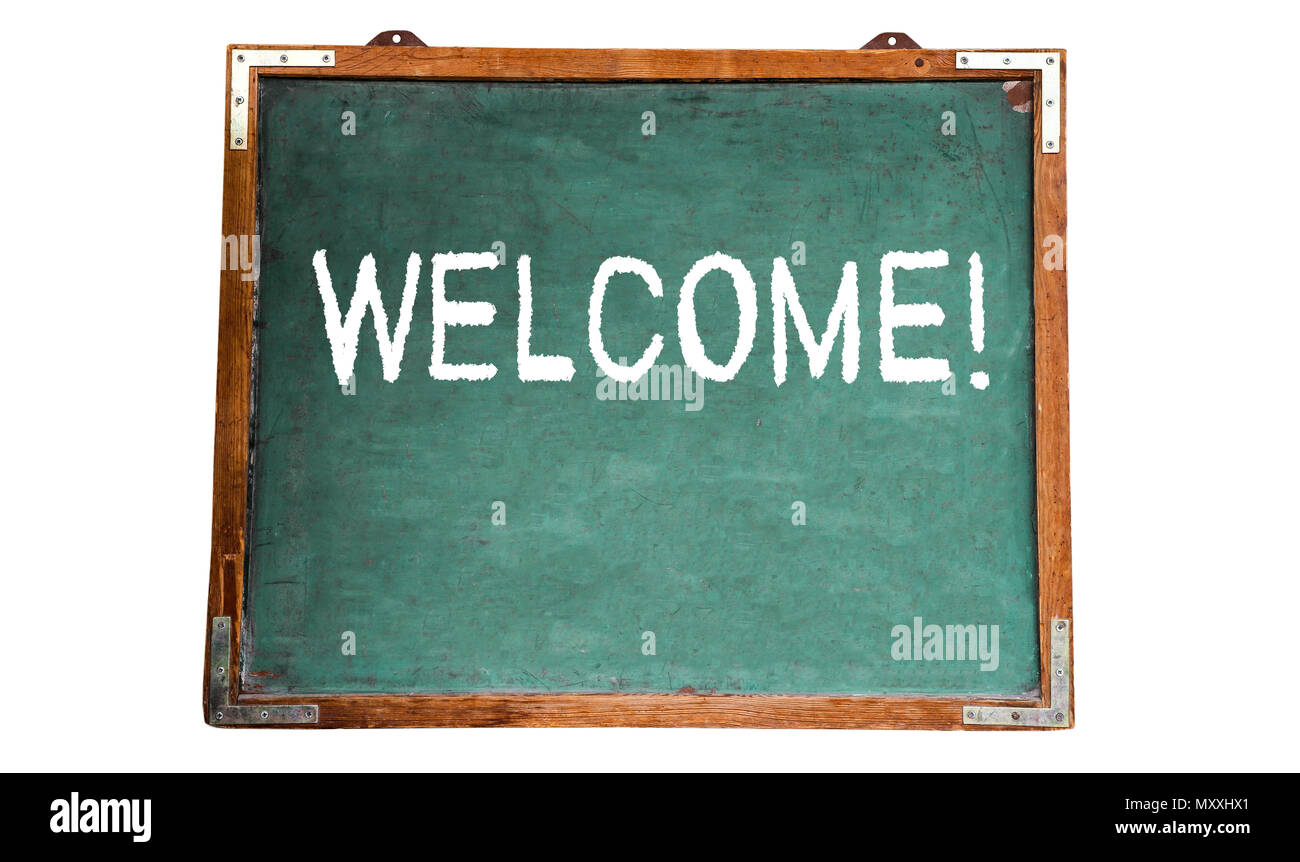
{"points": [[893, 40], [397, 37]]}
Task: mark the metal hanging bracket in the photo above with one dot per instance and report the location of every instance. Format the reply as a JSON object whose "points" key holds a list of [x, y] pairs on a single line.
{"points": [[222, 712], [242, 60], [397, 37], [1055, 715], [891, 40], [1047, 62]]}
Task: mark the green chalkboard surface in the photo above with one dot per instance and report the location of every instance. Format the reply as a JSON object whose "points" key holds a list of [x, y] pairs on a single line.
{"points": [[419, 534]]}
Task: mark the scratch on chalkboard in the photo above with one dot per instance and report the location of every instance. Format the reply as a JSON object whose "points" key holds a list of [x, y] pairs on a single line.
{"points": [[469, 104], [993, 189], [648, 500], [570, 214]]}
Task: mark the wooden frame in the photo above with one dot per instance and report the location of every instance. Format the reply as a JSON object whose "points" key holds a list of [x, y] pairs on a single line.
{"points": [[234, 369]]}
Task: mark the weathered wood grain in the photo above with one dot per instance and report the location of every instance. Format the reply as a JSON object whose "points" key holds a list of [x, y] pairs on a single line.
{"points": [[231, 448]]}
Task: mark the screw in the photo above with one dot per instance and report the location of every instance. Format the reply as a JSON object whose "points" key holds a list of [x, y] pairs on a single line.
{"points": [[1051, 145], [965, 60], [1006, 61], [220, 715], [284, 58], [1015, 716], [1060, 672], [1060, 716], [1060, 627], [221, 625], [325, 59], [1051, 61], [220, 670], [239, 100], [265, 713], [1051, 103], [239, 142], [308, 713], [970, 714], [239, 58]]}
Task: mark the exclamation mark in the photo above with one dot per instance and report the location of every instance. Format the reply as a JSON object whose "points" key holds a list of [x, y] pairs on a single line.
{"points": [[980, 379]]}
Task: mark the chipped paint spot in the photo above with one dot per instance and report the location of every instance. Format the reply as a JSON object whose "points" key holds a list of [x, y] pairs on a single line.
{"points": [[1019, 94]]}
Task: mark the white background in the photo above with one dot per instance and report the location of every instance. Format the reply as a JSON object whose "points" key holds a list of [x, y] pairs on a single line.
{"points": [[1183, 316]]}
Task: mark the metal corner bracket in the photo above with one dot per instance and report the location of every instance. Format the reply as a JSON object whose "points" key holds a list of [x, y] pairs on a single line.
{"points": [[1055, 715], [242, 60], [1047, 62], [222, 712]]}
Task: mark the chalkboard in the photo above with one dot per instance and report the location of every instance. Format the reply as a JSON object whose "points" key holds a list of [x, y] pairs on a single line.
{"points": [[818, 476]]}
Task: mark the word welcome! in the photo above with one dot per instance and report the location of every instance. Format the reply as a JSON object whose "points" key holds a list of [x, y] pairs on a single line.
{"points": [[344, 332]]}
